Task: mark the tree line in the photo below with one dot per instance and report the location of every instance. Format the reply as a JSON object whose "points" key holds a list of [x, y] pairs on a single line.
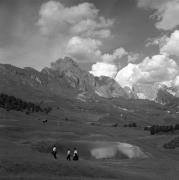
{"points": [[12, 103], [155, 129]]}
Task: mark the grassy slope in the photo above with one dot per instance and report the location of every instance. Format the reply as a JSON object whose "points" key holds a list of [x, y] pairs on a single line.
{"points": [[25, 142]]}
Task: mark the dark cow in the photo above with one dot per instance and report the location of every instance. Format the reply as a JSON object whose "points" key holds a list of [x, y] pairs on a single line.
{"points": [[45, 121]]}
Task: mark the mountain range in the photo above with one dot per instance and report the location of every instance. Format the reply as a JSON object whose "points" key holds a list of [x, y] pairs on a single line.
{"points": [[65, 77]]}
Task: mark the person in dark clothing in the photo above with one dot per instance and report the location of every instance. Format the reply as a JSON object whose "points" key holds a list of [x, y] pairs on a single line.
{"points": [[54, 151], [68, 155], [75, 155]]}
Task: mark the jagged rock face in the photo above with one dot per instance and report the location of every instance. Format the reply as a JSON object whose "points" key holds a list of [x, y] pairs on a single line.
{"points": [[27, 76], [173, 90], [131, 93], [164, 97], [107, 87], [167, 95], [146, 91], [69, 70]]}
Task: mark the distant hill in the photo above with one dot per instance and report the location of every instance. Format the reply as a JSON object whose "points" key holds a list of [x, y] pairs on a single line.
{"points": [[158, 92], [164, 96]]}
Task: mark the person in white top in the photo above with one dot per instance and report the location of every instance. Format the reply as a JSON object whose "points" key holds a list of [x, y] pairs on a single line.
{"points": [[68, 155], [54, 151], [75, 154]]}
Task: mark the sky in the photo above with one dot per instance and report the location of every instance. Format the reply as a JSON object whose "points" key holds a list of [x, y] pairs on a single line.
{"points": [[132, 41]]}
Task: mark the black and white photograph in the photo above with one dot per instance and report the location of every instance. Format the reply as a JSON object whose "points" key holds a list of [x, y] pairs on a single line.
{"points": [[89, 89]]}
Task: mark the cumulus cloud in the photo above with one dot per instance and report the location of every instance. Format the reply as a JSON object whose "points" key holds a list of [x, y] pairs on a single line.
{"points": [[79, 29], [171, 45], [128, 75], [116, 55], [158, 41], [84, 49], [80, 19], [93, 27], [166, 12], [133, 57], [109, 63], [167, 16], [104, 69], [168, 45], [157, 69], [176, 81], [112, 62]]}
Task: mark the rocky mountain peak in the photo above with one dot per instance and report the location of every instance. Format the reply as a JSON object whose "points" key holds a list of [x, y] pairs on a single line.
{"points": [[65, 64]]}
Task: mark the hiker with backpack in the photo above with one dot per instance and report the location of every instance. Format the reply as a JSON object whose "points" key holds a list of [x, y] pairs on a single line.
{"points": [[54, 151]]}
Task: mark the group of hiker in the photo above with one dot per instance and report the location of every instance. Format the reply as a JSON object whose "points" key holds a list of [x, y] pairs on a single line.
{"points": [[68, 156]]}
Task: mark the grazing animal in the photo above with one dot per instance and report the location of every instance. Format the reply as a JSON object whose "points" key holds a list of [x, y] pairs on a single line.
{"points": [[45, 121], [115, 125]]}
